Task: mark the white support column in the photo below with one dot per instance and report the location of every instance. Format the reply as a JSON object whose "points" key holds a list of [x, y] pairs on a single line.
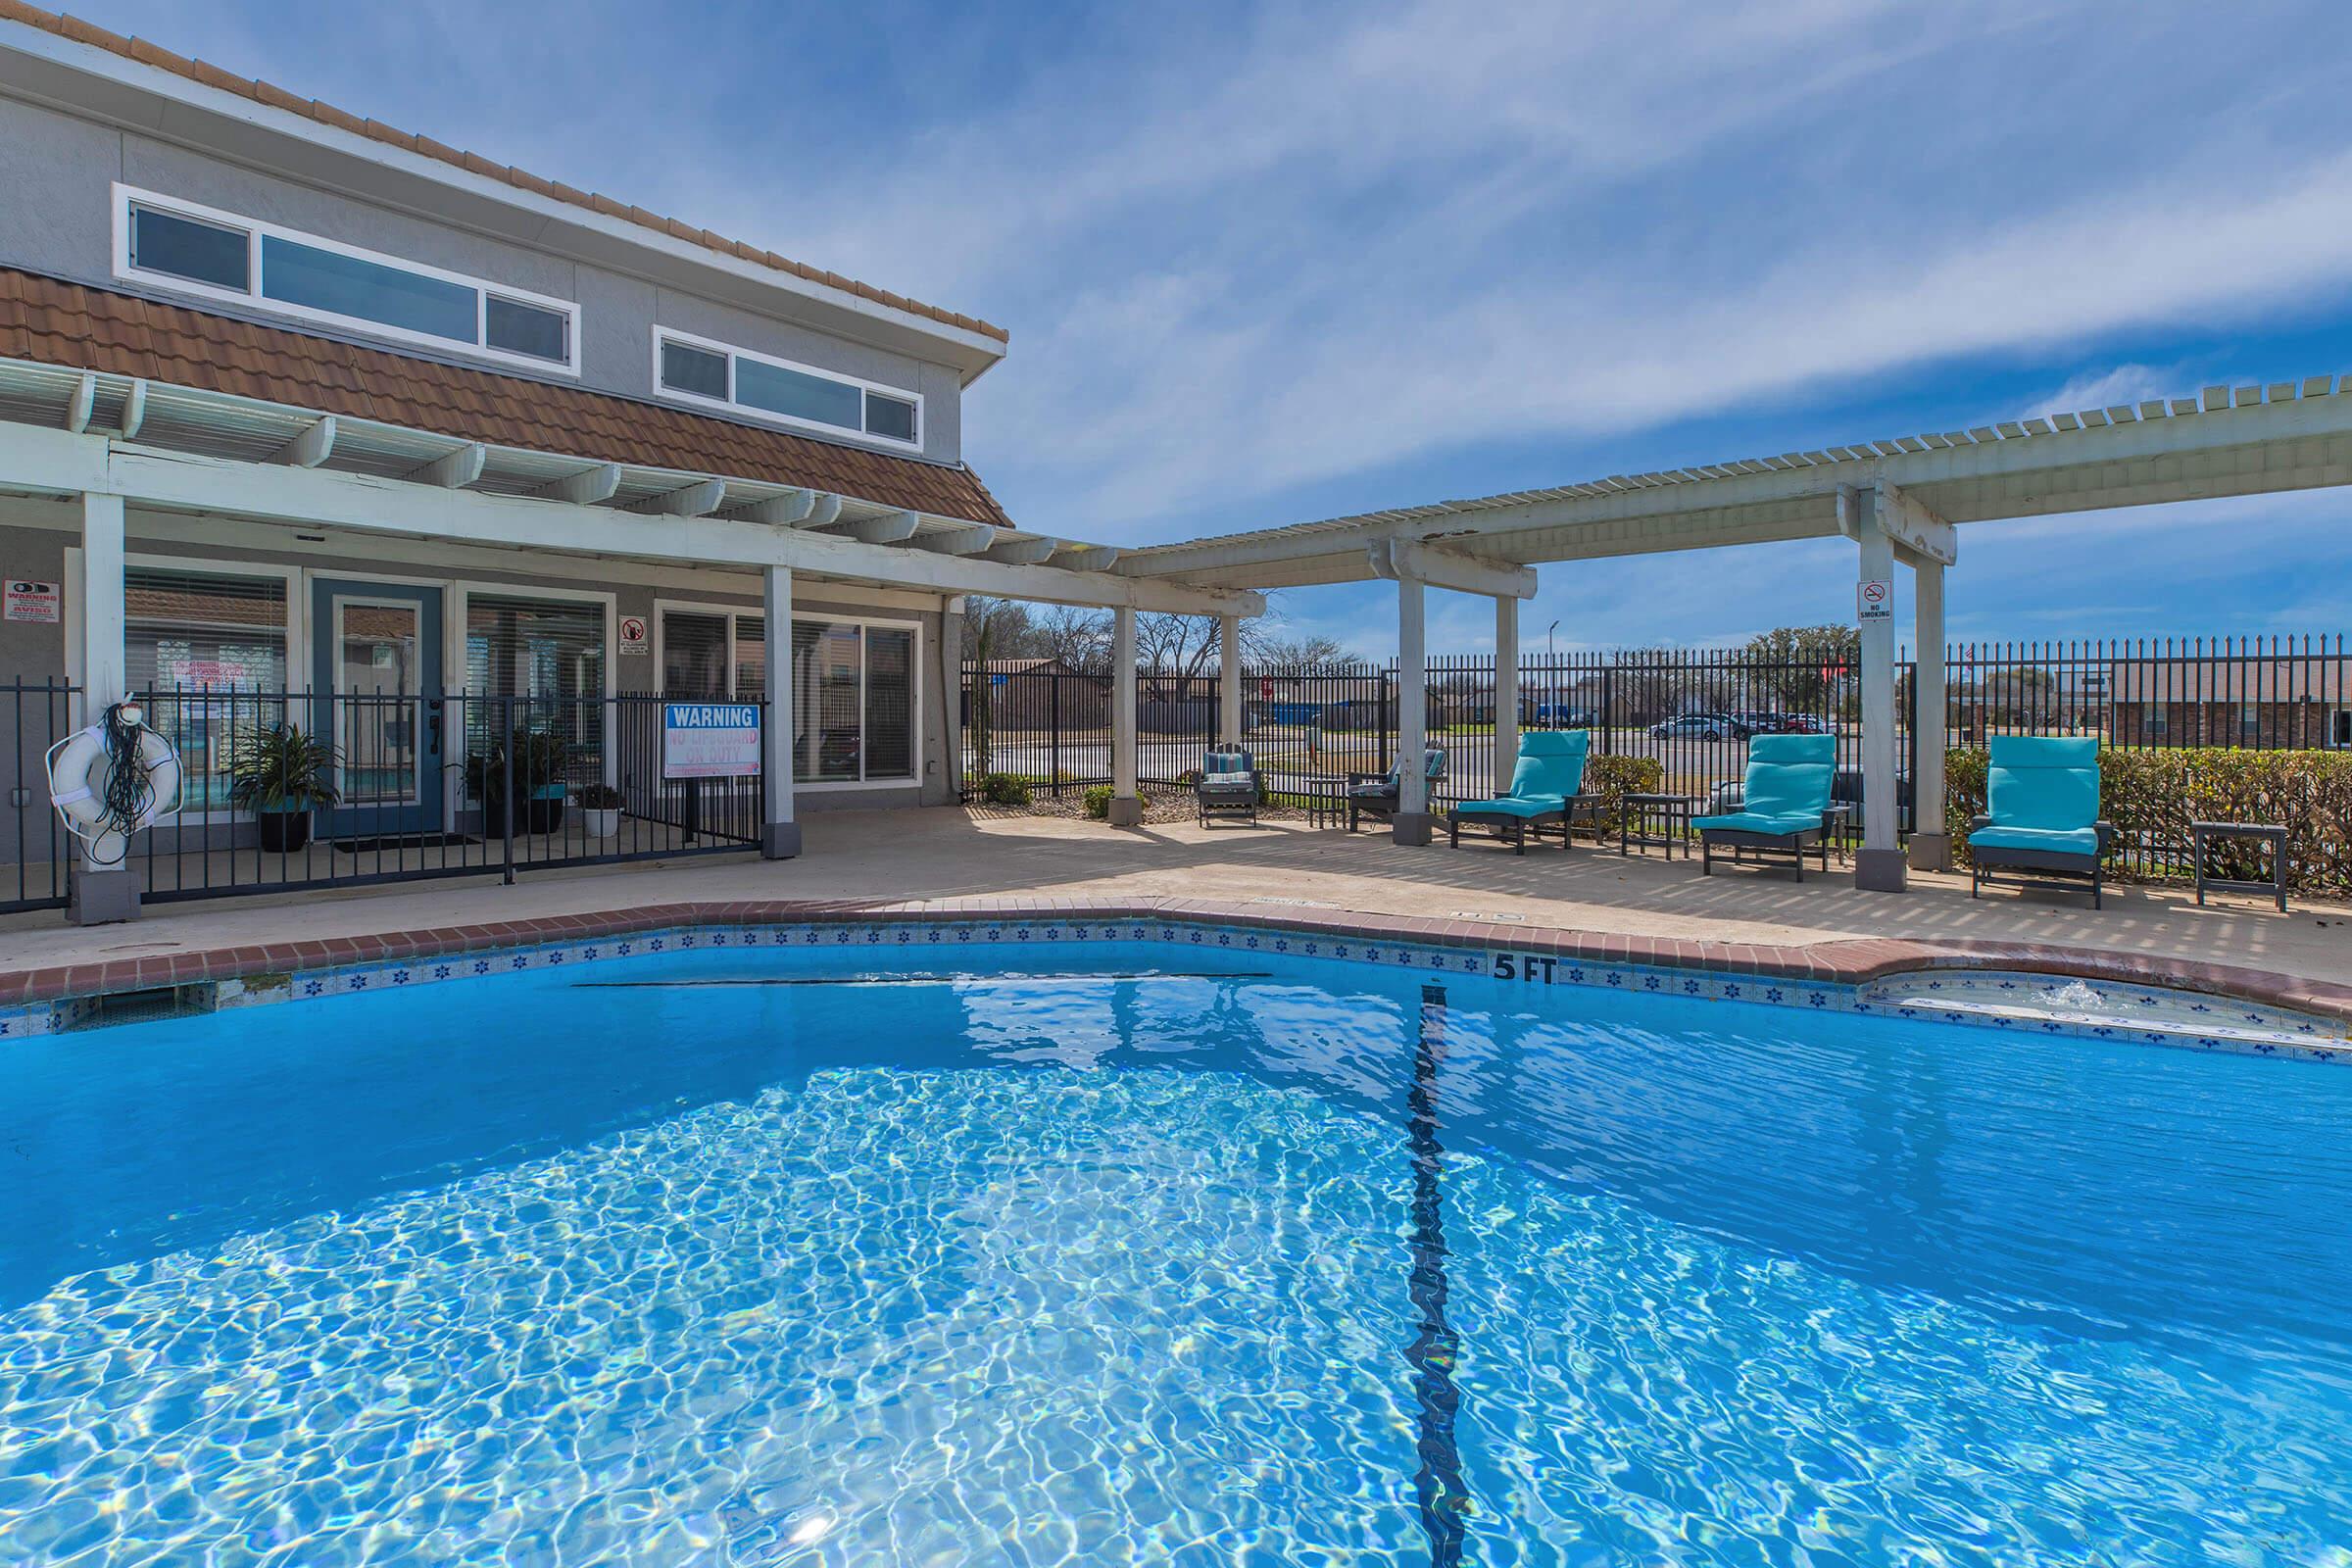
{"points": [[1931, 844], [1411, 825], [101, 894], [951, 693], [1229, 680], [1506, 691], [1879, 865], [780, 838], [1126, 810]]}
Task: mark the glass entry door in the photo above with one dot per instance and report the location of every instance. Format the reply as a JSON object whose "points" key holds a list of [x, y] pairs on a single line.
{"points": [[379, 670]]}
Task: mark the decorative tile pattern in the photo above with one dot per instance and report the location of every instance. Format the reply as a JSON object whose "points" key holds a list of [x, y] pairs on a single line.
{"points": [[1999, 985]]}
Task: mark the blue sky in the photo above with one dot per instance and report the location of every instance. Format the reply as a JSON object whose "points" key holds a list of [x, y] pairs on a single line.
{"points": [[1268, 264]]}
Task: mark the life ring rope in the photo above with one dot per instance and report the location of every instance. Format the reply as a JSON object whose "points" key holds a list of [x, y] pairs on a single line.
{"points": [[97, 804]]}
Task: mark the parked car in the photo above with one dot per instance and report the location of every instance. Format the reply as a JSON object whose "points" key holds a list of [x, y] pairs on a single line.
{"points": [[1702, 726], [1804, 724]]}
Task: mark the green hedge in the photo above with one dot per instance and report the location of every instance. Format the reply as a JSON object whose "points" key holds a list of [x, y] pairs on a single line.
{"points": [[2152, 796], [1613, 778]]}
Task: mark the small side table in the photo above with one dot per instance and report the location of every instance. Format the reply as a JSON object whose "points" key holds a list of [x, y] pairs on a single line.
{"points": [[1672, 811], [1326, 799], [2270, 833]]}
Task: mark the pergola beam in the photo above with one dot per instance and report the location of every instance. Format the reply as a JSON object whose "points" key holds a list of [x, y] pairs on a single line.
{"points": [[777, 511], [696, 500], [454, 470], [52, 462], [970, 539], [884, 531], [309, 449], [1022, 552]]}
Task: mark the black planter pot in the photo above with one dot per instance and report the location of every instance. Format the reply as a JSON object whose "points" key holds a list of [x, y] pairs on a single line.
{"points": [[535, 817], [283, 832]]}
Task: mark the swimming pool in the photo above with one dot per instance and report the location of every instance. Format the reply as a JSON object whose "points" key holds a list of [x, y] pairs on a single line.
{"points": [[1153, 1251]]}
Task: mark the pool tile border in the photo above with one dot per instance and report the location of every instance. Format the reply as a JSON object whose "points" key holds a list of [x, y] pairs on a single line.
{"points": [[1832, 975]]}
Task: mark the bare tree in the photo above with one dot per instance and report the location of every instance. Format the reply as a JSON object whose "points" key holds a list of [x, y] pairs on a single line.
{"points": [[1079, 638]]}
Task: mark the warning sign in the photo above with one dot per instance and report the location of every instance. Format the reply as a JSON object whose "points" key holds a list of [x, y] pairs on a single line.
{"points": [[633, 636], [1874, 601], [32, 601]]}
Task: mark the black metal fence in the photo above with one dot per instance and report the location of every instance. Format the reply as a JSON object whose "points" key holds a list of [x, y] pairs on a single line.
{"points": [[424, 787], [33, 718], [1693, 711]]}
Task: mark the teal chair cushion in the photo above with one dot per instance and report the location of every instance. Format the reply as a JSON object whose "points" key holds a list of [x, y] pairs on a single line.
{"points": [[1516, 805], [1551, 764], [1790, 776], [2057, 840], [1225, 762], [1758, 822], [2045, 783]]}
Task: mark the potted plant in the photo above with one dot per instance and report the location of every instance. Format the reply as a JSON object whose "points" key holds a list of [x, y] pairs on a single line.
{"points": [[599, 811], [281, 774], [539, 759]]}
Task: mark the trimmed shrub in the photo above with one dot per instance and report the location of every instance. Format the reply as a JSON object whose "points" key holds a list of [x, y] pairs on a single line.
{"points": [[2152, 796], [1613, 778], [1097, 802], [1003, 789]]}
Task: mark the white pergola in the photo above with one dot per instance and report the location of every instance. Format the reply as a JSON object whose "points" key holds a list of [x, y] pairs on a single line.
{"points": [[243, 471], [1900, 500]]}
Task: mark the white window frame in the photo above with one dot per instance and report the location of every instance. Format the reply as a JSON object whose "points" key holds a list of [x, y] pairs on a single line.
{"points": [[459, 599], [730, 353], [917, 687], [297, 585], [125, 197]]}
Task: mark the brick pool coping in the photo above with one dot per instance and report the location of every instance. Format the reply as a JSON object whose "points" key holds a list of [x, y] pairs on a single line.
{"points": [[1843, 961]]}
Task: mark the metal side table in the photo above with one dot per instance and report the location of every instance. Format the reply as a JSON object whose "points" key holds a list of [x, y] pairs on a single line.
{"points": [[2270, 833], [1674, 811]]}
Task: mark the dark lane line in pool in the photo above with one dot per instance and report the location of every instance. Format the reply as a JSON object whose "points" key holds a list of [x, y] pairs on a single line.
{"points": [[1438, 1483]]}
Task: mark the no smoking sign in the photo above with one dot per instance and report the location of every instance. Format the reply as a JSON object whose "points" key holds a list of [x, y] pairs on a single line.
{"points": [[1874, 601]]}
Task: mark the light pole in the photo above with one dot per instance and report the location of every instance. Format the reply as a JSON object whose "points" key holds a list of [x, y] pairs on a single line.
{"points": [[1551, 675]]}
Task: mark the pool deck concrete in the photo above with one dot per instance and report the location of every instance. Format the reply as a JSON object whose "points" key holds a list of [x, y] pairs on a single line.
{"points": [[901, 857]]}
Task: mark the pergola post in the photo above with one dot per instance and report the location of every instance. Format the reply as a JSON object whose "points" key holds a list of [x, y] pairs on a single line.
{"points": [[1506, 691], [950, 691], [1229, 680], [97, 895], [1126, 809], [1879, 865], [1411, 823], [1931, 843], [780, 833]]}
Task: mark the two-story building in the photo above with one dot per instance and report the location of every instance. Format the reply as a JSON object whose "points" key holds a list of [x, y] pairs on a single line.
{"points": [[306, 418]]}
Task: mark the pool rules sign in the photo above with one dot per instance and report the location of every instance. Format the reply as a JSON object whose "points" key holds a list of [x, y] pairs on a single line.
{"points": [[709, 740]]}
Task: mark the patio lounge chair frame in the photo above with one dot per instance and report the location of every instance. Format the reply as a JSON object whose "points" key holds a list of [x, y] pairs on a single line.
{"points": [[1771, 760], [1582, 808], [2051, 782], [2053, 870], [1381, 805], [1517, 827], [1227, 795], [1741, 841]]}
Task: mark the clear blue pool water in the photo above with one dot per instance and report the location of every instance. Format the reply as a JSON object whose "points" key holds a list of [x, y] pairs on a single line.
{"points": [[604, 1265]]}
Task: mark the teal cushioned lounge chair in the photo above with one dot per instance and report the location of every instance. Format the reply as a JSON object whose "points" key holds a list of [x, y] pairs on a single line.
{"points": [[2042, 797], [1783, 802], [1546, 791]]}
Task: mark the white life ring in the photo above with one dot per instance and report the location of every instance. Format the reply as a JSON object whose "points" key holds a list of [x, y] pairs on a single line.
{"points": [[77, 769]]}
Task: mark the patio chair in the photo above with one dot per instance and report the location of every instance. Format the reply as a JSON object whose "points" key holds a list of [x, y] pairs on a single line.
{"points": [[2043, 815], [1784, 804], [1375, 794], [1228, 784], [1546, 791]]}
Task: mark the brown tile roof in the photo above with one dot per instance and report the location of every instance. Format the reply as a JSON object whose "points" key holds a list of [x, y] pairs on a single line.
{"points": [[263, 92], [54, 323]]}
